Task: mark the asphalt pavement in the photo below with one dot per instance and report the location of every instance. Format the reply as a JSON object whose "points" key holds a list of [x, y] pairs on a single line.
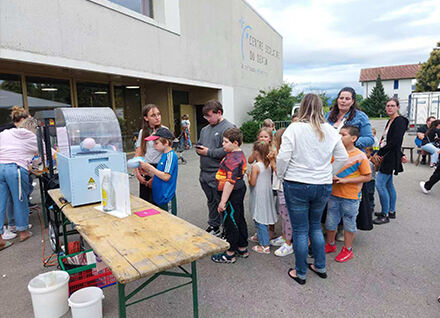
{"points": [[395, 271]]}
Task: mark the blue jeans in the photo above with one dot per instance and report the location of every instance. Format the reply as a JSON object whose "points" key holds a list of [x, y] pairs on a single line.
{"points": [[306, 203], [13, 179], [10, 211], [262, 234], [387, 192], [432, 150], [341, 208], [10, 207]]}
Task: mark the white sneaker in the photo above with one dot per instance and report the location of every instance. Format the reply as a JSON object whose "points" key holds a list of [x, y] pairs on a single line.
{"points": [[13, 229], [279, 241], [8, 235], [422, 187], [284, 250], [340, 236]]}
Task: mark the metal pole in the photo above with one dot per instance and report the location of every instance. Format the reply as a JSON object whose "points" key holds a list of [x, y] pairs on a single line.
{"points": [[194, 289]]}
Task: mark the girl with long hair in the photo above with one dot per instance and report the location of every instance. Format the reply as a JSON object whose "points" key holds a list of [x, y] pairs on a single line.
{"points": [[151, 123], [261, 200]]}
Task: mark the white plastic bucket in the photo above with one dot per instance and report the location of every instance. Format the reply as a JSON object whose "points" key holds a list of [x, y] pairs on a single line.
{"points": [[49, 292], [87, 303]]}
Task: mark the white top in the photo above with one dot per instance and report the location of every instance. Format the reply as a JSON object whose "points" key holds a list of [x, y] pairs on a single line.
{"points": [[261, 202], [151, 155], [304, 158]]}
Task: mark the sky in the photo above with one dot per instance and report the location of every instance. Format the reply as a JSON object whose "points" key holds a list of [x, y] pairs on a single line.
{"points": [[327, 42]]}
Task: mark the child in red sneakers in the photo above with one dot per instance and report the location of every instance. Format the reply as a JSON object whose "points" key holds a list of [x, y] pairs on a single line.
{"points": [[346, 194]]}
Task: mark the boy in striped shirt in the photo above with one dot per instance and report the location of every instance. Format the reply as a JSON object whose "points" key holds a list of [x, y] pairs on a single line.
{"points": [[346, 194]]}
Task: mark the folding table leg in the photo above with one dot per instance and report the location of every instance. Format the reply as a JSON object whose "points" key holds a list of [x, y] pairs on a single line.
{"points": [[194, 289], [122, 308]]}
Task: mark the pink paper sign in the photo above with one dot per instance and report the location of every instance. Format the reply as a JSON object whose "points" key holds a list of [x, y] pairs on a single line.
{"points": [[145, 213]]}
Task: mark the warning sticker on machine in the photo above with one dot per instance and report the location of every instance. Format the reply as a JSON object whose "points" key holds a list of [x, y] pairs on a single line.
{"points": [[91, 184]]}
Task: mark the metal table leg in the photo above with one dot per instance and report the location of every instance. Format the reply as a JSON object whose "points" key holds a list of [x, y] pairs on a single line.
{"points": [[121, 293], [194, 290]]}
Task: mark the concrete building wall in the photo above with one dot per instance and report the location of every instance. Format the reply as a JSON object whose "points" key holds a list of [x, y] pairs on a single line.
{"points": [[223, 45]]}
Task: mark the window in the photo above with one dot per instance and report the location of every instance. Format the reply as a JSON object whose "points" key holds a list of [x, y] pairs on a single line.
{"points": [[10, 95], [93, 95], [396, 96], [47, 93], [396, 84], [144, 7]]}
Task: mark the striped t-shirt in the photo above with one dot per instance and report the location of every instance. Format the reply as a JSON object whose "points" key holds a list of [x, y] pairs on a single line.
{"points": [[357, 165]]}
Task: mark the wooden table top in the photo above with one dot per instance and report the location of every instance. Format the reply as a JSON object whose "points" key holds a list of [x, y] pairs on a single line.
{"points": [[135, 247]]}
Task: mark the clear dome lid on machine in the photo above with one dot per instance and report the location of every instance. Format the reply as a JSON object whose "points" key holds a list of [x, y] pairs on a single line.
{"points": [[87, 131]]}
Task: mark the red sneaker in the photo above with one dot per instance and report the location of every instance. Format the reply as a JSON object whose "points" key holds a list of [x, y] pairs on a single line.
{"points": [[330, 248], [344, 255]]}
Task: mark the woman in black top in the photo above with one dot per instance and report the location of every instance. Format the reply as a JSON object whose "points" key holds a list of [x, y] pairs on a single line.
{"points": [[431, 142], [390, 151]]}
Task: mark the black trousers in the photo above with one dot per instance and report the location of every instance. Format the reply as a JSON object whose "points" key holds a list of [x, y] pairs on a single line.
{"points": [[146, 193], [213, 197], [434, 179], [234, 222]]}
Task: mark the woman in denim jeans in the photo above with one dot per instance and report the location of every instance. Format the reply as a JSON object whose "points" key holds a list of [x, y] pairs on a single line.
{"points": [[304, 164], [390, 151], [17, 147]]}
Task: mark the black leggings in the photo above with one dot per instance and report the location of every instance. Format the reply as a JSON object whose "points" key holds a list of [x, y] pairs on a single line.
{"points": [[434, 178], [234, 222]]}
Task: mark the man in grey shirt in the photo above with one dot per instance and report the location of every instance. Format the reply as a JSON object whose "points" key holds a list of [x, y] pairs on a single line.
{"points": [[210, 149]]}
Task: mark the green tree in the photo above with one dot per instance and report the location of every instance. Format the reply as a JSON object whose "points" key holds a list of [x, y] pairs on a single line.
{"points": [[374, 105], [428, 76], [275, 103]]}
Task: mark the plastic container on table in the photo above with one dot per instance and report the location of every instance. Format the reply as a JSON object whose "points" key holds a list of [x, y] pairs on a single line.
{"points": [[87, 303], [49, 292]]}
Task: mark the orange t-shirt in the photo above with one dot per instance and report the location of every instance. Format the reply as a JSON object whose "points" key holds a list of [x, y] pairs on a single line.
{"points": [[357, 165]]}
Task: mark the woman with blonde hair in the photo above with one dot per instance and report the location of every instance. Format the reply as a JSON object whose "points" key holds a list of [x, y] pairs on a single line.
{"points": [[17, 147], [304, 165], [18, 114]]}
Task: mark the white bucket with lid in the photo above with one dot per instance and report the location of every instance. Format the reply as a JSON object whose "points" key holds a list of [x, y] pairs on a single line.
{"points": [[49, 292], [87, 303]]}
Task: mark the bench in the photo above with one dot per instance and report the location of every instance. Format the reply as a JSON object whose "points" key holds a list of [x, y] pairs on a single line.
{"points": [[411, 149]]}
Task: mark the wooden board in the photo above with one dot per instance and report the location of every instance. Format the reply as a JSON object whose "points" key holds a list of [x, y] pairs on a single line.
{"points": [[135, 247]]}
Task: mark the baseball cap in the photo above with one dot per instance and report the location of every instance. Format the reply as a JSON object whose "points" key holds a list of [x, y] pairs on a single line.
{"points": [[161, 132]]}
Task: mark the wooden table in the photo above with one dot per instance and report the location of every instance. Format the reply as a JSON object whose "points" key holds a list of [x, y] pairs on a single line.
{"points": [[135, 247]]}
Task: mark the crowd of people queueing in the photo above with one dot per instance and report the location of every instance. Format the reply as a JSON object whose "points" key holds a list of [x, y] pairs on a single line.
{"points": [[319, 162]]}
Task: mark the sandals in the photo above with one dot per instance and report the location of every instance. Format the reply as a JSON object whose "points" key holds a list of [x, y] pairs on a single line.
{"points": [[253, 238], [7, 244], [30, 234], [261, 249], [322, 275], [295, 278], [242, 253], [223, 258]]}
